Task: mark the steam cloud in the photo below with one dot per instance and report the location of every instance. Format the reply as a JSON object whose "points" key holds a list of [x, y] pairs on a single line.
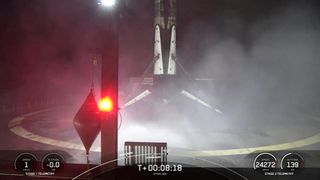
{"points": [[265, 76]]}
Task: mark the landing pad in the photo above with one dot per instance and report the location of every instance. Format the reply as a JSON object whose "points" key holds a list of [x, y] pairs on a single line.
{"points": [[53, 129]]}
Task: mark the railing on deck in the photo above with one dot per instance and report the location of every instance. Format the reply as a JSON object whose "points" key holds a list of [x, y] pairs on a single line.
{"points": [[145, 153]]}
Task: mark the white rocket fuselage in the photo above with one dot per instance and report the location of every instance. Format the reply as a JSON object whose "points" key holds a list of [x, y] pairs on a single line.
{"points": [[165, 38], [166, 85]]}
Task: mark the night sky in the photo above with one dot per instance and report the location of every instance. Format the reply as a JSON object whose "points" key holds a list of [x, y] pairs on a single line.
{"points": [[43, 42]]}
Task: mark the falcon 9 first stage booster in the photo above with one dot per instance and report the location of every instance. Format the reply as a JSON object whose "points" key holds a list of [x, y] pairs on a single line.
{"points": [[165, 80], [165, 37]]}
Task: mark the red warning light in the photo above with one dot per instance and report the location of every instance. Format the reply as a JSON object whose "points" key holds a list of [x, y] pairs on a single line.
{"points": [[106, 104]]}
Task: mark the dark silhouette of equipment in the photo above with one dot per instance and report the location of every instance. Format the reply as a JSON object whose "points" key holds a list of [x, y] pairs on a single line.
{"points": [[145, 153], [87, 121]]}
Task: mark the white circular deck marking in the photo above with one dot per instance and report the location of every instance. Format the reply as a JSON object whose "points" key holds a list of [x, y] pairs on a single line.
{"points": [[16, 127]]}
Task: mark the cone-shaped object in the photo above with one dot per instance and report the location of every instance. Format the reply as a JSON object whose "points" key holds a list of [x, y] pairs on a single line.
{"points": [[87, 121]]}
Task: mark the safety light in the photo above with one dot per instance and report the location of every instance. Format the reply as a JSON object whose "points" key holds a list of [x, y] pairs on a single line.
{"points": [[107, 3], [106, 105]]}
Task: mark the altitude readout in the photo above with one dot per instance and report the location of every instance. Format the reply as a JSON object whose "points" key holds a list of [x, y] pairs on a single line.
{"points": [[292, 162], [52, 162]]}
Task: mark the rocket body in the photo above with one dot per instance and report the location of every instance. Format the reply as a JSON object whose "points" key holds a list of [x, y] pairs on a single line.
{"points": [[165, 37], [167, 86]]}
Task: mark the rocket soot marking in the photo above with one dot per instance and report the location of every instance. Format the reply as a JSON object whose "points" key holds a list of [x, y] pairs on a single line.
{"points": [[15, 126]]}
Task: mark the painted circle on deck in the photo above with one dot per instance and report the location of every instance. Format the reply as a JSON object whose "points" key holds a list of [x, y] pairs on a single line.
{"points": [[15, 126]]}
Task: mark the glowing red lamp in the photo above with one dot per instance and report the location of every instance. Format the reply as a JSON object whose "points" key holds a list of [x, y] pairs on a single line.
{"points": [[106, 105]]}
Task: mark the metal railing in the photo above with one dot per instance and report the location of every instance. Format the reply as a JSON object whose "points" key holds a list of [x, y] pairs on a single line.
{"points": [[145, 153]]}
